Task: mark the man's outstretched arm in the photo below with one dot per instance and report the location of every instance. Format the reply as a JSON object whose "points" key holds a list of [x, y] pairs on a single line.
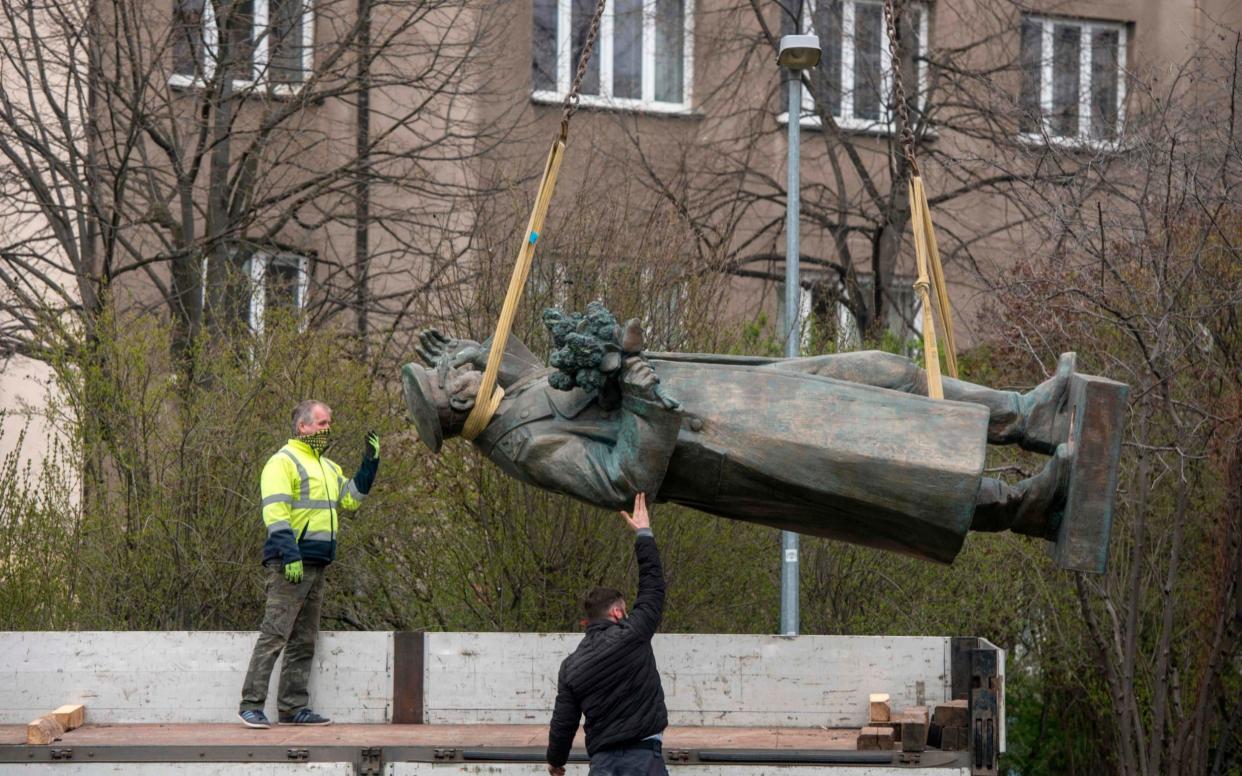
{"points": [[648, 608]]}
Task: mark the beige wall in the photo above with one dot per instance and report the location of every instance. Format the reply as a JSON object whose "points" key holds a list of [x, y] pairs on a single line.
{"points": [[24, 391], [26, 385], [612, 153]]}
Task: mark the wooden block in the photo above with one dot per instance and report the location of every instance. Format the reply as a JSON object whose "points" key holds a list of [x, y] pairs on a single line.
{"points": [[880, 711], [952, 714], [954, 739], [917, 713], [70, 716], [883, 737], [913, 727], [875, 737], [1097, 411], [43, 730], [914, 736]]}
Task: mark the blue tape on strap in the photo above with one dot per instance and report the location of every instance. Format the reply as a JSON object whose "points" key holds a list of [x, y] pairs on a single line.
{"points": [[533, 236]]}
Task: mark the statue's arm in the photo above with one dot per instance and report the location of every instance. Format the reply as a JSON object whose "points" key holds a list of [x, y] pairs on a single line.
{"points": [[611, 474], [603, 474]]}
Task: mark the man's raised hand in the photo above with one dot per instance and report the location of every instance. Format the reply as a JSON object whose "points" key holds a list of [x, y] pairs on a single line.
{"points": [[639, 520]]}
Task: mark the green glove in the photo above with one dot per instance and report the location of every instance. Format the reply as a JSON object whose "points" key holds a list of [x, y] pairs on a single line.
{"points": [[371, 453], [293, 571]]}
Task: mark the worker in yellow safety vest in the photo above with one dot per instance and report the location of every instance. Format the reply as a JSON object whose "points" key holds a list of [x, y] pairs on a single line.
{"points": [[303, 492]]}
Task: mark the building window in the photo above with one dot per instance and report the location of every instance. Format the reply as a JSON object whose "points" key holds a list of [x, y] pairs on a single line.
{"points": [[855, 71], [270, 39], [268, 282], [1073, 83], [642, 59], [278, 282]]}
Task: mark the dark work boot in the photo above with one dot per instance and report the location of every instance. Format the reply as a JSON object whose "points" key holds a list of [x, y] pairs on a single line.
{"points": [[1031, 507], [1036, 420], [1045, 410]]}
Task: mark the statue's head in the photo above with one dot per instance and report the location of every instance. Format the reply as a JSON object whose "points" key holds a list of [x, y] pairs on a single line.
{"points": [[440, 399]]}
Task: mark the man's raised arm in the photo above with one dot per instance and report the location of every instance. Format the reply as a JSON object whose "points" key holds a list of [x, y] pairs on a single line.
{"points": [[645, 616]]}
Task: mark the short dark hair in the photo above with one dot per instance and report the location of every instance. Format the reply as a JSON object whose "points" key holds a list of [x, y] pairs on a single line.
{"points": [[596, 603]]}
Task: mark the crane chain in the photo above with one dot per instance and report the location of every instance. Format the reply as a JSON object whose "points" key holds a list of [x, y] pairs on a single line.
{"points": [[570, 105], [905, 133]]}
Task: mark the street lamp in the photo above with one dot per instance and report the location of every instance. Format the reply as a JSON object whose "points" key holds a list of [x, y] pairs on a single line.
{"points": [[797, 53]]}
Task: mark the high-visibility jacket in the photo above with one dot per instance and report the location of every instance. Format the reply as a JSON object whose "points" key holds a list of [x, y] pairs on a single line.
{"points": [[303, 494]]}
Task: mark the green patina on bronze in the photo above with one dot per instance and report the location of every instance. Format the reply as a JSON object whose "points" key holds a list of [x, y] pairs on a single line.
{"points": [[845, 446]]}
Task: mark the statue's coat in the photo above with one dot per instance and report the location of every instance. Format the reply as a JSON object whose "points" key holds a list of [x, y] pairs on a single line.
{"points": [[784, 448]]}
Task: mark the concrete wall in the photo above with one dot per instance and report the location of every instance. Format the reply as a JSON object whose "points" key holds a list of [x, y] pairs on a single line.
{"points": [[708, 679], [180, 676], [125, 677]]}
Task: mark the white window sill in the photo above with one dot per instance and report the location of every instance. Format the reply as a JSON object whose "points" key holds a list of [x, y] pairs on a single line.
{"points": [[852, 126], [279, 91], [544, 97], [1070, 143]]}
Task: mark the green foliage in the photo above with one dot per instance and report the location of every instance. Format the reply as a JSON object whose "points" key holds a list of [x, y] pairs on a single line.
{"points": [[39, 526]]}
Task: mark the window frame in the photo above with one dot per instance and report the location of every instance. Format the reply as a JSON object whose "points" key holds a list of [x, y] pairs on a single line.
{"points": [[604, 49], [255, 269], [260, 63], [1082, 138], [886, 125], [257, 266]]}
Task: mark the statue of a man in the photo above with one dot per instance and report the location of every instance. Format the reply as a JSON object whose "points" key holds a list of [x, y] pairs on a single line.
{"points": [[845, 446]]}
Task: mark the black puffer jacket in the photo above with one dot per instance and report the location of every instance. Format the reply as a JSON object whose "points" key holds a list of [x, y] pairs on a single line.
{"points": [[612, 677]]}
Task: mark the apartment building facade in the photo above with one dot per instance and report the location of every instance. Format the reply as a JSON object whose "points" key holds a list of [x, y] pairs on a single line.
{"points": [[683, 100], [369, 172]]}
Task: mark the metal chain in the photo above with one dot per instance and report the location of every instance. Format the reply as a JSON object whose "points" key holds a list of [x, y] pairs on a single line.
{"points": [[905, 133], [571, 99]]}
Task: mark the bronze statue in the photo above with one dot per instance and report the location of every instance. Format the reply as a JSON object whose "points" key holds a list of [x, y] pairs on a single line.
{"points": [[845, 446]]}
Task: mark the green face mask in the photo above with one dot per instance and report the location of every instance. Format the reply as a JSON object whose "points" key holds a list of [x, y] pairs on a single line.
{"points": [[319, 440]]}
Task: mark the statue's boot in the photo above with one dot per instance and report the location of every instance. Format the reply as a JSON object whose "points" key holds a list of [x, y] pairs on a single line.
{"points": [[1037, 420], [1032, 507]]}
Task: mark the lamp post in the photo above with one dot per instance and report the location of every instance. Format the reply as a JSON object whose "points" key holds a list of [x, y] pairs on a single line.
{"points": [[797, 53]]}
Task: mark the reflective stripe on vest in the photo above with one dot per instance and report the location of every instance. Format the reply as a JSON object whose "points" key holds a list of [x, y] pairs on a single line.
{"points": [[302, 476], [306, 502]]}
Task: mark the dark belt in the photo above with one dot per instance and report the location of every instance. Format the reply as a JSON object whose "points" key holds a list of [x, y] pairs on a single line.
{"points": [[652, 744]]}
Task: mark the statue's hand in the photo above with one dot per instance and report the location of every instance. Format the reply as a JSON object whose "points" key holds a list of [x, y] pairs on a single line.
{"points": [[433, 344], [639, 379]]}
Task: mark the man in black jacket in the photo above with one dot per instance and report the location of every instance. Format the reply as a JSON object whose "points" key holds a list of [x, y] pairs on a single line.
{"points": [[611, 677]]}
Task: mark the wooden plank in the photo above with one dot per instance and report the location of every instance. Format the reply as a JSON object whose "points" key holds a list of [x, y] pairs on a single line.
{"points": [[43, 730], [408, 685], [70, 716]]}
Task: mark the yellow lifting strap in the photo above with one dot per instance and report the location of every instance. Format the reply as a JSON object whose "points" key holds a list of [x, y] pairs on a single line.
{"points": [[926, 252], [490, 393]]}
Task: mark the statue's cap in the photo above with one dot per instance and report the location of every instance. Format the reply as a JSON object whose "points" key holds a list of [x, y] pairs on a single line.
{"points": [[420, 391]]}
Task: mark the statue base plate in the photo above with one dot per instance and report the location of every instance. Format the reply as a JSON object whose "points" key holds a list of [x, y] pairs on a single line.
{"points": [[1097, 408]]}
